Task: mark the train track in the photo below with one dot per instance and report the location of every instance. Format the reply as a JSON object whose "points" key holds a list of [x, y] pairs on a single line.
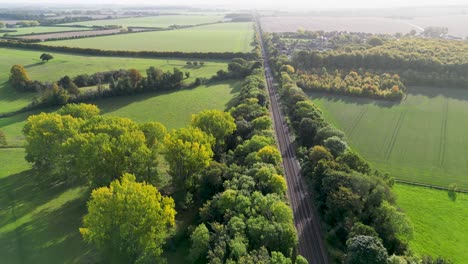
{"points": [[311, 244]]}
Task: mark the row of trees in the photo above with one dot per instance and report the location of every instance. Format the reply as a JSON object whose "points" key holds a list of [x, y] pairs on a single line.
{"points": [[244, 217], [383, 86], [356, 204]]}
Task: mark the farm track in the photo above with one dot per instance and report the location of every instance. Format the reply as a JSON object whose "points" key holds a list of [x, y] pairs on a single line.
{"points": [[306, 219], [443, 134], [394, 137], [357, 120]]}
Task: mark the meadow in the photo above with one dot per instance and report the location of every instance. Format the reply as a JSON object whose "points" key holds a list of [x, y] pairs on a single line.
{"points": [[421, 139], [37, 30], [439, 222], [224, 37], [173, 109], [153, 21], [72, 65]]}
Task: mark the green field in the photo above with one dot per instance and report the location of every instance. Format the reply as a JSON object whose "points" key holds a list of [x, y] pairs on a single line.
{"points": [[173, 109], [155, 21], [72, 65], [225, 37], [439, 223], [421, 139], [36, 30], [38, 224]]}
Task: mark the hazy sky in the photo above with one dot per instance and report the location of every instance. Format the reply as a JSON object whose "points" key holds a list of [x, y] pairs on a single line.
{"points": [[266, 3]]}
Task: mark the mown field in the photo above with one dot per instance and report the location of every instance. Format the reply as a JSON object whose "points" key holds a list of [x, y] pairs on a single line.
{"points": [[36, 30], [225, 37], [421, 139], [173, 109], [72, 65], [439, 222], [153, 21]]}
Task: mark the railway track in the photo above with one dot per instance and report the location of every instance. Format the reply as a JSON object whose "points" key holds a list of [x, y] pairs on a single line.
{"points": [[311, 243]]}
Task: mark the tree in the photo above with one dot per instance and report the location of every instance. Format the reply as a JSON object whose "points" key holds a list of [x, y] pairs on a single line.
{"points": [[217, 123], [375, 41], [187, 75], [19, 78], [364, 250], [2, 138], [83, 111], [128, 221], [55, 96], [287, 68], [200, 239], [269, 154], [2, 25], [46, 57], [335, 145], [318, 153], [154, 133], [188, 151], [67, 83]]}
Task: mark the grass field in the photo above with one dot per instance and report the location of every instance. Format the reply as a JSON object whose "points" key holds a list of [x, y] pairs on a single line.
{"points": [[155, 21], [72, 65], [225, 37], [173, 109], [36, 30], [439, 223], [421, 139], [38, 224]]}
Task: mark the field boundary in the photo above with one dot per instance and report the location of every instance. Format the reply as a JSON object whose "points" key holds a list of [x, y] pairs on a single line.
{"points": [[428, 186], [393, 139]]}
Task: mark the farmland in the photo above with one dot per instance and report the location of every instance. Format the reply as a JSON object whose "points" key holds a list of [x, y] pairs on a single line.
{"points": [[225, 37], [83, 33], [439, 222], [351, 24], [153, 21], [72, 65], [40, 30], [420, 139]]}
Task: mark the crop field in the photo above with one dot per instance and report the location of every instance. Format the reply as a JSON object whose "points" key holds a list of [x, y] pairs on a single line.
{"points": [[225, 37], [37, 30], [439, 222], [173, 109], [72, 65], [154, 21], [352, 24], [83, 33], [421, 139]]}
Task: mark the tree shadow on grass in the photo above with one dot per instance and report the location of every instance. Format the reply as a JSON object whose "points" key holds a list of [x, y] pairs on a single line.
{"points": [[34, 64], [52, 237], [431, 92], [352, 99]]}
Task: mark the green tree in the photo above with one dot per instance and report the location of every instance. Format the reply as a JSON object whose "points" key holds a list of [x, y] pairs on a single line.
{"points": [[46, 57], [154, 133], [55, 96], [200, 239], [84, 111], [269, 154], [365, 250], [217, 123], [335, 145], [287, 68], [188, 151], [318, 153], [19, 78], [128, 221]]}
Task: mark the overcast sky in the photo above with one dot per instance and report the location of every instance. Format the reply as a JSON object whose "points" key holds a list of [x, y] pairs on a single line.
{"points": [[266, 3]]}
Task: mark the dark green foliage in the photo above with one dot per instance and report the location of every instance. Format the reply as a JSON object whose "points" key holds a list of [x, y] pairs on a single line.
{"points": [[364, 250], [46, 57], [2, 138]]}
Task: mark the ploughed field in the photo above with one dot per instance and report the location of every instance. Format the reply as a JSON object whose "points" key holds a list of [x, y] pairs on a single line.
{"points": [[439, 221], [422, 139], [223, 37], [72, 65]]}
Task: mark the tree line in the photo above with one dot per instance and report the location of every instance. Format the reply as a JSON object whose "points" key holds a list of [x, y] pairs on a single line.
{"points": [[377, 86], [140, 54]]}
